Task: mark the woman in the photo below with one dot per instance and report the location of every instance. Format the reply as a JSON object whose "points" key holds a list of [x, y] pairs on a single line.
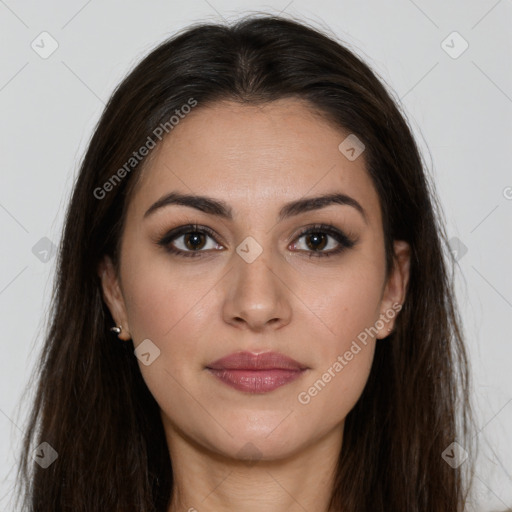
{"points": [[253, 221]]}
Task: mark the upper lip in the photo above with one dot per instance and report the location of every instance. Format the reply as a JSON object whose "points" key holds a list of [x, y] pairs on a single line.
{"points": [[251, 361]]}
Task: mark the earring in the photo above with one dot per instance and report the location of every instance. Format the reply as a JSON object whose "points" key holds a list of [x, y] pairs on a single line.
{"points": [[116, 329]]}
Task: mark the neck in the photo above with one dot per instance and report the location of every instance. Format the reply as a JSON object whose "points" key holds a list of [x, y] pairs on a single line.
{"points": [[205, 481]]}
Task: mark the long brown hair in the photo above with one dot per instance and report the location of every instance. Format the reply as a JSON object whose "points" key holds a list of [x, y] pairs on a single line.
{"points": [[92, 405]]}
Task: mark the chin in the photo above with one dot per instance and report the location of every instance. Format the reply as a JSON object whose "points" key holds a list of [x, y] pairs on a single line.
{"points": [[263, 440]]}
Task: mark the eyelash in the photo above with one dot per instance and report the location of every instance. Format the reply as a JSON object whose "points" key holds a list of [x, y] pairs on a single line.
{"points": [[345, 241]]}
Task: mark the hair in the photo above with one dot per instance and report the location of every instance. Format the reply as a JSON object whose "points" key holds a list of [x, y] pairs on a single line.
{"points": [[91, 402]]}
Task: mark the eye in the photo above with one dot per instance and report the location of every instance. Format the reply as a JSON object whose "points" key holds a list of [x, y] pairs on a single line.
{"points": [[316, 240], [189, 241], [192, 240]]}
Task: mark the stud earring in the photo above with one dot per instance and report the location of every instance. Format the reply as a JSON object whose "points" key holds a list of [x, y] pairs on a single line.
{"points": [[116, 329]]}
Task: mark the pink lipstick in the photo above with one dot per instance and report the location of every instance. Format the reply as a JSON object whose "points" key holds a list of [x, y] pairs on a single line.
{"points": [[256, 373]]}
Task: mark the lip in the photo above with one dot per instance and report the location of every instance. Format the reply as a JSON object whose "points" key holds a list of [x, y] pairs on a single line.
{"points": [[256, 373]]}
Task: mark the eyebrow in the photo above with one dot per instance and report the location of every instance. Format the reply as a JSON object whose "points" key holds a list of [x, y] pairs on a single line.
{"points": [[221, 209]]}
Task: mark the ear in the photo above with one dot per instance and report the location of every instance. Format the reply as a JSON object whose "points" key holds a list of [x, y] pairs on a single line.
{"points": [[395, 288], [113, 296]]}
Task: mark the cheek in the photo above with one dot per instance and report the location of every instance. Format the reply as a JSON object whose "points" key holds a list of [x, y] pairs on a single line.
{"points": [[344, 305], [160, 296], [343, 358], [168, 307], [333, 391], [171, 307], [348, 308]]}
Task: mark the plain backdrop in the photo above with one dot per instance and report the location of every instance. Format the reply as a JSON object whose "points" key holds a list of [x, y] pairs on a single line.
{"points": [[458, 101]]}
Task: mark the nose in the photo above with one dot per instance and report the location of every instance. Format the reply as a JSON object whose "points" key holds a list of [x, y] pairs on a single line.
{"points": [[256, 294]]}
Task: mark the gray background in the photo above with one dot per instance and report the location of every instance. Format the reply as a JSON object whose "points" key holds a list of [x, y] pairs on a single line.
{"points": [[460, 109]]}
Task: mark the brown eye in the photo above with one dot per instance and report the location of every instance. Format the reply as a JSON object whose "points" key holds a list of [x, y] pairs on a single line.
{"points": [[190, 240], [323, 240], [316, 241], [194, 240]]}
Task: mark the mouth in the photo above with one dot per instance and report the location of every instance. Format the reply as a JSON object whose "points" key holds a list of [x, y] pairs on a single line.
{"points": [[256, 373]]}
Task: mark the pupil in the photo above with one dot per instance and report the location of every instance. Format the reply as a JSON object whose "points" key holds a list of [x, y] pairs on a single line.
{"points": [[318, 238], [196, 237]]}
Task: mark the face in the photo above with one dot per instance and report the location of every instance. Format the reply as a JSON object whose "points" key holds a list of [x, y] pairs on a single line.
{"points": [[251, 273]]}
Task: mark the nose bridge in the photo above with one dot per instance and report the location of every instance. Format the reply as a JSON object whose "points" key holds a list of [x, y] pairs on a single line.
{"points": [[257, 294]]}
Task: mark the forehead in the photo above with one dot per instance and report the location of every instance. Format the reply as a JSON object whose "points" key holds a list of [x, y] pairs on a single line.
{"points": [[255, 157]]}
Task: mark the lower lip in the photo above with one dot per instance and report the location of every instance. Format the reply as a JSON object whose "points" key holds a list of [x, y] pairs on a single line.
{"points": [[256, 381]]}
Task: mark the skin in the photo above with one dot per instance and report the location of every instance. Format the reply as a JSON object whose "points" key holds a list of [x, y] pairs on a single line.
{"points": [[198, 309]]}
